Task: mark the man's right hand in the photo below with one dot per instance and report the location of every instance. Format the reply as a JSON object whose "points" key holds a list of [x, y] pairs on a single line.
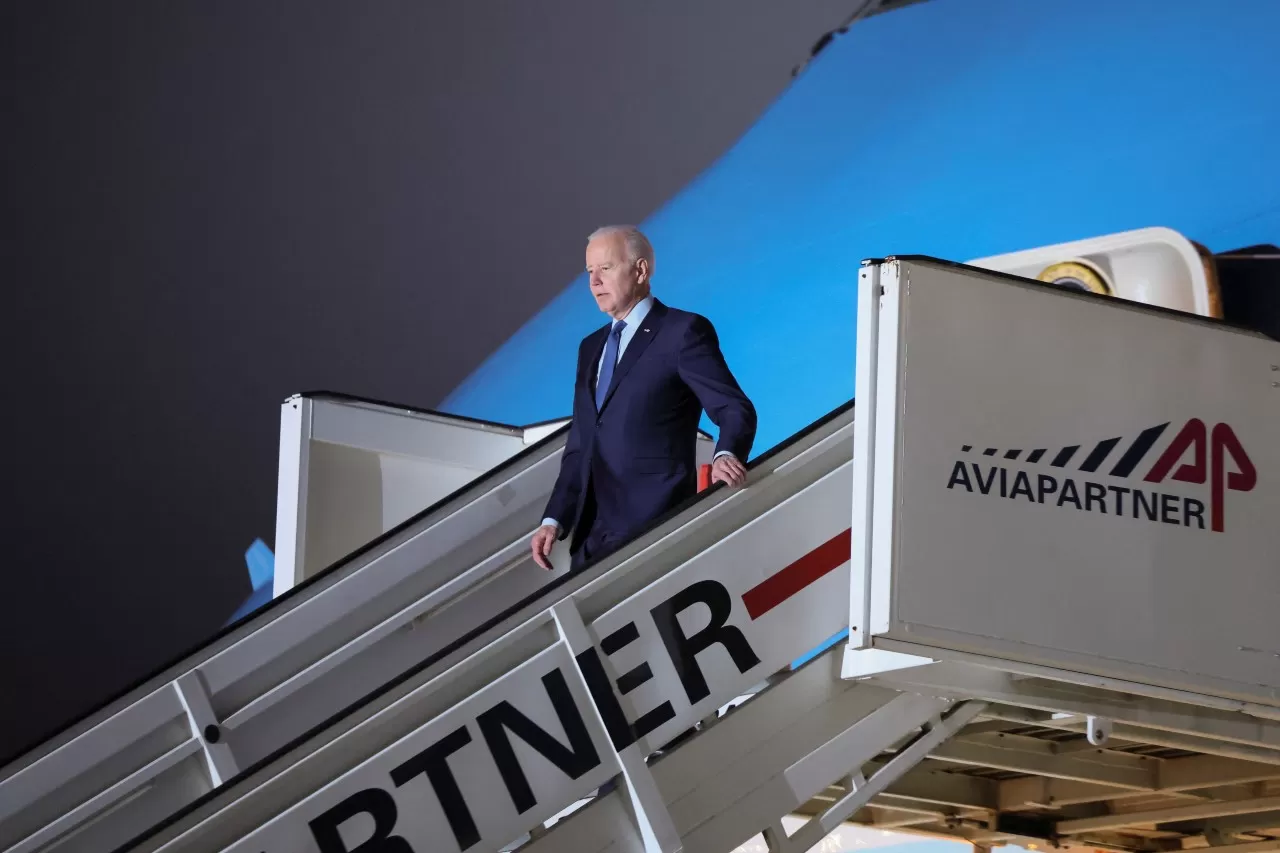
{"points": [[543, 539]]}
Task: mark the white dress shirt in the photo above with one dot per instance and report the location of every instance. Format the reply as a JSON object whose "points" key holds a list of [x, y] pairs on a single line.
{"points": [[633, 320]]}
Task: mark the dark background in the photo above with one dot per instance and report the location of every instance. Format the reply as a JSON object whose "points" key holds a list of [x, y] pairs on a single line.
{"points": [[206, 207]]}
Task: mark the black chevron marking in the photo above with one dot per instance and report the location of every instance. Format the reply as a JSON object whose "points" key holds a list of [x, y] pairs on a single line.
{"points": [[1064, 456], [990, 451], [1011, 454], [1035, 455], [966, 448], [1099, 453], [1137, 450]]}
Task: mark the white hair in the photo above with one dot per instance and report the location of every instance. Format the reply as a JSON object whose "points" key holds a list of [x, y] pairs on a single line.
{"points": [[638, 245]]}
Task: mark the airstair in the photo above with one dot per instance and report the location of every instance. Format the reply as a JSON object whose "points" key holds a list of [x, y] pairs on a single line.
{"points": [[364, 588], [1022, 592]]}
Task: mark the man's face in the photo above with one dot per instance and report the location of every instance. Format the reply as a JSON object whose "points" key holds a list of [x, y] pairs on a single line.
{"points": [[616, 283]]}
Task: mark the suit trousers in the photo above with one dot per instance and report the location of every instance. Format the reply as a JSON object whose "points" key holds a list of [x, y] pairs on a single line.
{"points": [[597, 545]]}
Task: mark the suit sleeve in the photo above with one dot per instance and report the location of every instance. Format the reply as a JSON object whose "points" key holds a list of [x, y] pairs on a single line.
{"points": [[563, 503], [703, 369], [562, 506]]}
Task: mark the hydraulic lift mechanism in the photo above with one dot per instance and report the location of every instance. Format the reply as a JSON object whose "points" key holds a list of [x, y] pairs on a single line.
{"points": [[1021, 590]]}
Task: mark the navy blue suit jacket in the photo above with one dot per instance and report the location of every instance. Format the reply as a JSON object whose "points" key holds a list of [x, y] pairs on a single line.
{"points": [[634, 459]]}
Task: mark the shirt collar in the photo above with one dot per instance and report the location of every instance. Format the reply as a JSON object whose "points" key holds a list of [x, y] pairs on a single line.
{"points": [[637, 314]]}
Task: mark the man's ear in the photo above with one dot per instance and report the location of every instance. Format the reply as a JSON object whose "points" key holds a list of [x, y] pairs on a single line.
{"points": [[642, 270]]}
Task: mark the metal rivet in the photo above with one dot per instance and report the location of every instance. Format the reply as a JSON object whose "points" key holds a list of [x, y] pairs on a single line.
{"points": [[212, 734]]}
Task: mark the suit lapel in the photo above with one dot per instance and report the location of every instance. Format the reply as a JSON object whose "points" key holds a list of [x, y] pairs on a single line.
{"points": [[639, 343]]}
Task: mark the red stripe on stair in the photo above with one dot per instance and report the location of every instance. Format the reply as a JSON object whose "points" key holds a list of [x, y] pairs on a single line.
{"points": [[778, 587]]}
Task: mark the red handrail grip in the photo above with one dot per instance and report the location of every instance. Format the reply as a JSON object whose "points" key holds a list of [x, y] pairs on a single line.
{"points": [[704, 477]]}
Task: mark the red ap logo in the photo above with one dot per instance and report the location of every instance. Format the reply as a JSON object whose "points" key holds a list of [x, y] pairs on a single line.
{"points": [[1222, 441]]}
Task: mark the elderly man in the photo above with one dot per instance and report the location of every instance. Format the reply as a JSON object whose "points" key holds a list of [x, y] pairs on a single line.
{"points": [[642, 383]]}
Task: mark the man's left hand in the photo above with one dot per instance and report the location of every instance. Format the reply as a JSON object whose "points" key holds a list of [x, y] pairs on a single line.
{"points": [[727, 469]]}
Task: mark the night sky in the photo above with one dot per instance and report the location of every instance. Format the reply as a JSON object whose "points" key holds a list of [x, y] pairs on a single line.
{"points": [[207, 207]]}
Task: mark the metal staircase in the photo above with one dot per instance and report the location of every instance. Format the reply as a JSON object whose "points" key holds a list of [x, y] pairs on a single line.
{"points": [[1042, 665]]}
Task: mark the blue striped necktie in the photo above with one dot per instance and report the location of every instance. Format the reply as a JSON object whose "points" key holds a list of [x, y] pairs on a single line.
{"points": [[610, 359]]}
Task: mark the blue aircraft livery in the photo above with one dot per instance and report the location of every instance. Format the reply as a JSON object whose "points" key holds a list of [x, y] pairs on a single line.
{"points": [[953, 128]]}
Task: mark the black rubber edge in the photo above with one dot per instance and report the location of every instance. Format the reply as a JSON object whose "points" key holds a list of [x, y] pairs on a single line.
{"points": [[1084, 294], [372, 401], [480, 629], [352, 398]]}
